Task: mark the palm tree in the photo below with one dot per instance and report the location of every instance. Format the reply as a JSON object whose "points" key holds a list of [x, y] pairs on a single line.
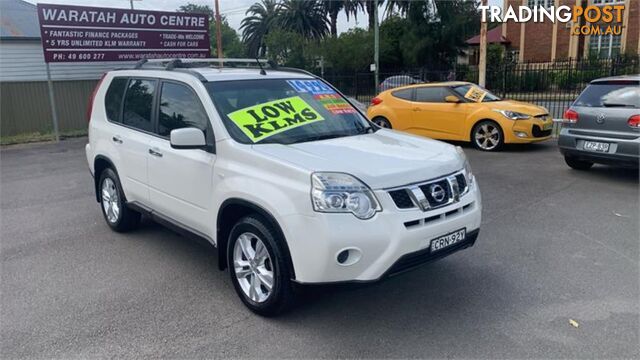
{"points": [[305, 17], [368, 6], [400, 5], [256, 27], [333, 8]]}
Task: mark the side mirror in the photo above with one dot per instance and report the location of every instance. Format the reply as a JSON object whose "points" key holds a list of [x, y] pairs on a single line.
{"points": [[187, 138], [451, 99]]}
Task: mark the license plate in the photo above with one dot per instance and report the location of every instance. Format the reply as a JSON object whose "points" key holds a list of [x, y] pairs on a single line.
{"points": [[547, 126], [596, 146], [447, 240]]}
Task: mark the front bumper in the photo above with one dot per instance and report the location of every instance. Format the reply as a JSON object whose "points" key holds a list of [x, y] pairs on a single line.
{"points": [[393, 241], [529, 131], [622, 152]]}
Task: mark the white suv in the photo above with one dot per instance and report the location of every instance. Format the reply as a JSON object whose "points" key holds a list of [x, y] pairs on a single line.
{"points": [[279, 171]]}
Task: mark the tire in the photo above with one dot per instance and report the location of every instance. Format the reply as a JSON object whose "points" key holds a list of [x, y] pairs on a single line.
{"points": [[112, 202], [253, 289], [382, 122], [577, 164], [492, 141]]}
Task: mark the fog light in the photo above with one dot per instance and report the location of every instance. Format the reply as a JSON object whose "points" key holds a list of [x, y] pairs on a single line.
{"points": [[521, 134], [348, 256]]}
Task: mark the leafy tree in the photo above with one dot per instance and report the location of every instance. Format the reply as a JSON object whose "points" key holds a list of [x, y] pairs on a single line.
{"points": [[232, 47], [286, 48], [231, 44], [255, 27], [196, 9]]}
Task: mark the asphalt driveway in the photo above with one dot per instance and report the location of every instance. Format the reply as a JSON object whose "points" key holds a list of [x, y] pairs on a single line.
{"points": [[556, 244]]}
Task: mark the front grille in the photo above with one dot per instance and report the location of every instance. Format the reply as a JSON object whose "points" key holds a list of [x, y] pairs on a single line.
{"points": [[442, 186], [430, 194], [537, 132], [402, 199]]}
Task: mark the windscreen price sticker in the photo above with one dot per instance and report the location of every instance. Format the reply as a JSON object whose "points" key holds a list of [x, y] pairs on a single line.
{"points": [[314, 87], [475, 94], [261, 121]]}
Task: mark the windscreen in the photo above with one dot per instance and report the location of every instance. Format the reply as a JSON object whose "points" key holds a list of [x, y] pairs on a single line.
{"points": [[284, 111], [615, 94]]}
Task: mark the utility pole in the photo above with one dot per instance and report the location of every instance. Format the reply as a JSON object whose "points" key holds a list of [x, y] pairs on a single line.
{"points": [[218, 32], [376, 45], [131, 2], [482, 65]]}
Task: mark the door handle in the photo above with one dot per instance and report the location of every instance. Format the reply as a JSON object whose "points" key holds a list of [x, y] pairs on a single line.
{"points": [[416, 109], [155, 153], [117, 140]]}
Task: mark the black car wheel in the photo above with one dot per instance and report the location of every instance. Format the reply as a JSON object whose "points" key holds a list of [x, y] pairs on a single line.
{"points": [[577, 164], [114, 208], [258, 267]]}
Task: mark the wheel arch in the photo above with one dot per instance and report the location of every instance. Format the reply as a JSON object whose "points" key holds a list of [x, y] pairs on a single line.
{"points": [[383, 118], [100, 163], [232, 210]]}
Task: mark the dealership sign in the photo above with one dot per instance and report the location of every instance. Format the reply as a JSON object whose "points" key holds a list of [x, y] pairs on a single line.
{"points": [[80, 34]]}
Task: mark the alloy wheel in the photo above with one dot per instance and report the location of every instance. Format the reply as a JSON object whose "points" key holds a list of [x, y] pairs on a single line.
{"points": [[487, 136], [253, 267], [110, 200]]}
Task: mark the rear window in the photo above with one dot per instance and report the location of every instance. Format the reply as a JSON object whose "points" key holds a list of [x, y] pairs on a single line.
{"points": [[138, 102], [610, 94], [403, 94], [113, 99]]}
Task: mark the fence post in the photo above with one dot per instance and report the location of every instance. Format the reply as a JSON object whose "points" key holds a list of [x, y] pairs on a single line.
{"points": [[504, 79], [355, 79]]}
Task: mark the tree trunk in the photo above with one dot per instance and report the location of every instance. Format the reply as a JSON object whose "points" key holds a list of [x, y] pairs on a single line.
{"points": [[333, 19]]}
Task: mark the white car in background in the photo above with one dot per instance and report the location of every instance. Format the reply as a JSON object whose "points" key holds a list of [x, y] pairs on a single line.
{"points": [[278, 171]]}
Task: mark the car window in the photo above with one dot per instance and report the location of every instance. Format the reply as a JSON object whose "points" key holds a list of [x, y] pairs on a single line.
{"points": [[431, 94], [180, 108], [404, 94], [285, 111], [113, 99], [138, 102], [614, 94]]}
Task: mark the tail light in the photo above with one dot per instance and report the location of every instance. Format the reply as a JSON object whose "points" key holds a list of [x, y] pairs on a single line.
{"points": [[634, 121], [570, 116], [93, 96], [376, 101]]}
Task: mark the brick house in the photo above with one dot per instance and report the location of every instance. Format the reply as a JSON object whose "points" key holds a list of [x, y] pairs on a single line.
{"points": [[547, 41]]}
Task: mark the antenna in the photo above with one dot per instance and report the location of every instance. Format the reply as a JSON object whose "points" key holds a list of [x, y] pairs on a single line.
{"points": [[262, 72]]}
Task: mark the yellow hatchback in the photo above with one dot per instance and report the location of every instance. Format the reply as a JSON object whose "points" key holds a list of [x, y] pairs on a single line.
{"points": [[460, 111]]}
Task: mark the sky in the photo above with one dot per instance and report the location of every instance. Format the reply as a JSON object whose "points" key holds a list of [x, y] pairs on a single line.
{"points": [[234, 10]]}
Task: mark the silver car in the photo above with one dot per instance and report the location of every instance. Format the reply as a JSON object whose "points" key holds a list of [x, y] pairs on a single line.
{"points": [[397, 81], [603, 124]]}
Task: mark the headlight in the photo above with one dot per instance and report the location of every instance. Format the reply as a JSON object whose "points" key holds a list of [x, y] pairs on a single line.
{"points": [[342, 193], [467, 167], [513, 115]]}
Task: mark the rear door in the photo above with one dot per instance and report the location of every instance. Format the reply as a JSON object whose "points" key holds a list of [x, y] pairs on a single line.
{"points": [[131, 138], [181, 180], [605, 107], [436, 118], [402, 107]]}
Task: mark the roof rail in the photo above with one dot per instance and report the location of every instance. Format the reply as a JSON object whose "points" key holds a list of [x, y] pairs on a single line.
{"points": [[185, 64]]}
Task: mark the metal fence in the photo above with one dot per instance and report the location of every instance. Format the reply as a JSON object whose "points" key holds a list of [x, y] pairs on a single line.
{"points": [[554, 85]]}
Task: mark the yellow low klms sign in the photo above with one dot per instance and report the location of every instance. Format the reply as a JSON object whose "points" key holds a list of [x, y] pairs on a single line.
{"points": [[261, 121]]}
